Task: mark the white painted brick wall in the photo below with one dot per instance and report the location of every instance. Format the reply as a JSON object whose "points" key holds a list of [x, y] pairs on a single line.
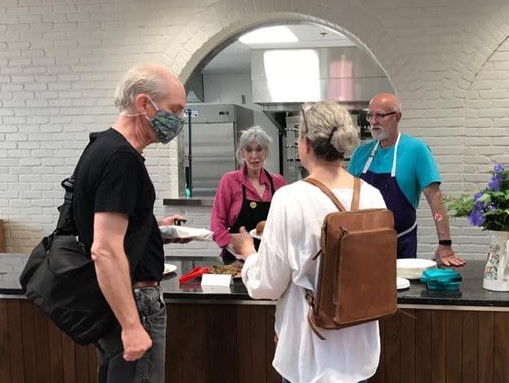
{"points": [[60, 62]]}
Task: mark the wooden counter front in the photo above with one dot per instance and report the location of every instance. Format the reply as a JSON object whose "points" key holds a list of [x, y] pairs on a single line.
{"points": [[216, 343], [205, 344], [449, 337]]}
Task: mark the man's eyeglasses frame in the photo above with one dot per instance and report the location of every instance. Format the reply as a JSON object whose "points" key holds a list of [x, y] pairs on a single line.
{"points": [[378, 116]]}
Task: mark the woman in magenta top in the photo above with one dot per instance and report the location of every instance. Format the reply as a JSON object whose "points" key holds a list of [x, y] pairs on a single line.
{"points": [[243, 196]]}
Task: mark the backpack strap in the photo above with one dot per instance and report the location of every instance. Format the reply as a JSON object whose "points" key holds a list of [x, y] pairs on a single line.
{"points": [[356, 194], [330, 194]]}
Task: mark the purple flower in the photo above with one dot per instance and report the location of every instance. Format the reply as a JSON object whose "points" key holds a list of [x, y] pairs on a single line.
{"points": [[476, 217], [477, 196], [478, 205], [495, 182], [488, 208]]}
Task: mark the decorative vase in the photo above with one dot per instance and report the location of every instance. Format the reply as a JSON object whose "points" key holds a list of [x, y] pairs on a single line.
{"points": [[496, 272]]}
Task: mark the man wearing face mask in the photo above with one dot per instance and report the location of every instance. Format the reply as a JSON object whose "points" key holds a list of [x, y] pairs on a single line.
{"points": [[113, 207], [402, 167]]}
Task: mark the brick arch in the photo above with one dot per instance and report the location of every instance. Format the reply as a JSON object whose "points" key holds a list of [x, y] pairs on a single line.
{"points": [[486, 37], [221, 24], [478, 90], [472, 80], [487, 117]]}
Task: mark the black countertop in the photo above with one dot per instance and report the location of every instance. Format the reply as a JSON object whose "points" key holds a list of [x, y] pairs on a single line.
{"points": [[471, 294], [205, 201]]}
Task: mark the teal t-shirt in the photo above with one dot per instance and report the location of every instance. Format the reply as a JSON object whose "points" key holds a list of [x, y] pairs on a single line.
{"points": [[415, 166]]}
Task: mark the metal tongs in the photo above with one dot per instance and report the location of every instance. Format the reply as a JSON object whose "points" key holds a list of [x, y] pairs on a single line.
{"points": [[194, 273]]}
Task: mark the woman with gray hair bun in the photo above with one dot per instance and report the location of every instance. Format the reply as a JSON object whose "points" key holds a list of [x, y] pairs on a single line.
{"points": [[285, 264], [243, 196], [329, 130]]}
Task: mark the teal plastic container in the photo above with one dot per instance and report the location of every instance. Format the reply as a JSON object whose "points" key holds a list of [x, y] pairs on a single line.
{"points": [[441, 279]]}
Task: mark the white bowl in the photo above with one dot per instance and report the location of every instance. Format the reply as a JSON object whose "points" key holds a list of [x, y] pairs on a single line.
{"points": [[412, 268], [402, 283], [254, 235]]}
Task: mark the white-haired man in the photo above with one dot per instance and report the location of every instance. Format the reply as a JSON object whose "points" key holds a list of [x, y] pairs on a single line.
{"points": [[113, 206], [403, 167]]}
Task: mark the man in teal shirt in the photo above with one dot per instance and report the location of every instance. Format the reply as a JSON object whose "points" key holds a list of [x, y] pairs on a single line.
{"points": [[402, 167]]}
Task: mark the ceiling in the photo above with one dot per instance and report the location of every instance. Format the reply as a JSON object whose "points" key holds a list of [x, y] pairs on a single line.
{"points": [[236, 58]]}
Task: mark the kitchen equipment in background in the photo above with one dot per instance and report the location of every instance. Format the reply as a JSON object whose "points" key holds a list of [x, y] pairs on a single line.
{"points": [[215, 129], [363, 126], [291, 167], [347, 74]]}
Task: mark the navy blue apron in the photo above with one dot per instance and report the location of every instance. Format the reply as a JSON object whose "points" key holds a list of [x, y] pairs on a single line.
{"points": [[405, 217], [251, 212]]}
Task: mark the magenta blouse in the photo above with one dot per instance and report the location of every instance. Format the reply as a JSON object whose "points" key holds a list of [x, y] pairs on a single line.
{"points": [[228, 200]]}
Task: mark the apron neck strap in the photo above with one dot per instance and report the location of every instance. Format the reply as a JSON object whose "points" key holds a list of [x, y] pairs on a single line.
{"points": [[370, 158], [373, 152], [393, 170]]}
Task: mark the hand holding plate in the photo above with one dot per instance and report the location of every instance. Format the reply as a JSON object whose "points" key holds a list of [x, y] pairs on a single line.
{"points": [[242, 244]]}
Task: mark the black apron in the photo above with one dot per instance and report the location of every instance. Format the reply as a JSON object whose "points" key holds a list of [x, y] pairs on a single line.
{"points": [[405, 217], [251, 212]]}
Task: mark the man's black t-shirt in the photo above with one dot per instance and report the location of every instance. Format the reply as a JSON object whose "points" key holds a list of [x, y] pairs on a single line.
{"points": [[112, 178]]}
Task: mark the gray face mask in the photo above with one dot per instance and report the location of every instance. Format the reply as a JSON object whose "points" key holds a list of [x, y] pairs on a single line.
{"points": [[165, 125]]}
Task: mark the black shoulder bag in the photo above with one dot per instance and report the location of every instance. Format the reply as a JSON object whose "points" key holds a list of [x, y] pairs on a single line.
{"points": [[60, 278]]}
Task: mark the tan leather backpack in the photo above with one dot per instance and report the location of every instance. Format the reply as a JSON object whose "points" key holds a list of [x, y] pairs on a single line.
{"points": [[357, 272]]}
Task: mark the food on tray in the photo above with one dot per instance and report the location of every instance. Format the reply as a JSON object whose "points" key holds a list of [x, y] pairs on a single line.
{"points": [[233, 269], [259, 227]]}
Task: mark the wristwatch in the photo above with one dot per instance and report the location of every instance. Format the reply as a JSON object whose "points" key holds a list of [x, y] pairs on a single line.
{"points": [[445, 242]]}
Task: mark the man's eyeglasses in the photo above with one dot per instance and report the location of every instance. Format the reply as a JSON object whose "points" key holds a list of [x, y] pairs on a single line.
{"points": [[378, 116]]}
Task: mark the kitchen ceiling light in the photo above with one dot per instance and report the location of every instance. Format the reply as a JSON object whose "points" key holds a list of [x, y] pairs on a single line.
{"points": [[267, 35], [282, 67]]}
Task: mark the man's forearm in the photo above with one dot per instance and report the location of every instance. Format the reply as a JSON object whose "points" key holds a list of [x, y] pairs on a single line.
{"points": [[438, 211], [114, 280]]}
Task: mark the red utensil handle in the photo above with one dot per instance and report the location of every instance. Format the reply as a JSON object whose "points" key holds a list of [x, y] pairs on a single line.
{"points": [[194, 273]]}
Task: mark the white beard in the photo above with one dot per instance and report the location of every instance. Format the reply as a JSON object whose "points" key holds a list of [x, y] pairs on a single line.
{"points": [[379, 135]]}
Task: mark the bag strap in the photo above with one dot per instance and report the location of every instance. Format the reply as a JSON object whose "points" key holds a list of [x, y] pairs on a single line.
{"points": [[310, 298], [66, 223], [330, 194], [356, 194]]}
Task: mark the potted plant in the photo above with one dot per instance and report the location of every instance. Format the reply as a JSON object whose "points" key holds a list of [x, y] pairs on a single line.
{"points": [[489, 209]]}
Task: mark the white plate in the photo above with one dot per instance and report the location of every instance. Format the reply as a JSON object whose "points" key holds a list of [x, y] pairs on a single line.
{"points": [[402, 283], [254, 235], [169, 268], [173, 231], [412, 268]]}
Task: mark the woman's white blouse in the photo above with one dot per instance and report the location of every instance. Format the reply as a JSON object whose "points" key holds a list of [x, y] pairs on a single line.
{"points": [[283, 268]]}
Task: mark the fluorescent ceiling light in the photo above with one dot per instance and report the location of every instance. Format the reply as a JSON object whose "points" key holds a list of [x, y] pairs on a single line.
{"points": [[276, 34], [282, 67]]}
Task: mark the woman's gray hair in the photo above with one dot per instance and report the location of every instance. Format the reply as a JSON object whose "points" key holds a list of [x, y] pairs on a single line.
{"points": [[254, 134], [329, 129], [139, 79]]}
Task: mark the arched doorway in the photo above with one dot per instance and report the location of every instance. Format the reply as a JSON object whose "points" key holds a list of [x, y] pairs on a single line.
{"points": [[297, 61]]}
